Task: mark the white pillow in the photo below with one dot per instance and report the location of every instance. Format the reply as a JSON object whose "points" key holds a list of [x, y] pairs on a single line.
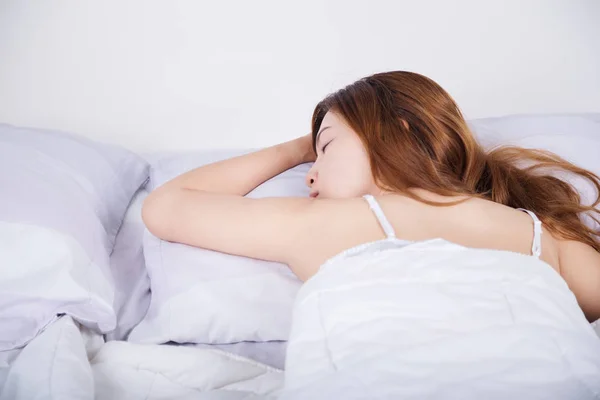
{"points": [[206, 297], [202, 296], [62, 203], [574, 137]]}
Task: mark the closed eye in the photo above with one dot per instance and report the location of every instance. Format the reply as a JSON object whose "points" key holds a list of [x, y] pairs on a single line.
{"points": [[324, 147]]}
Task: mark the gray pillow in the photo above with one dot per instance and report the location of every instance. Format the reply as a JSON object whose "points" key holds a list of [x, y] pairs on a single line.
{"points": [[63, 200]]}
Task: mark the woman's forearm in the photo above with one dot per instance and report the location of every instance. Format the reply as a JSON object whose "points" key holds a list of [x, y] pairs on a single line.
{"points": [[240, 175]]}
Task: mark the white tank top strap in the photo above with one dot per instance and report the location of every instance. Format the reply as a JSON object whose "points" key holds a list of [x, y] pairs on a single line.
{"points": [[383, 221], [536, 248]]}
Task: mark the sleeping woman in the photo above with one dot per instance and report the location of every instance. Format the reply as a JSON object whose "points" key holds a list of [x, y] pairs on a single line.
{"points": [[393, 158]]}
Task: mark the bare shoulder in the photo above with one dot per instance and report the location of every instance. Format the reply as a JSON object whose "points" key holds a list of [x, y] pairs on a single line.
{"points": [[580, 268], [328, 227]]}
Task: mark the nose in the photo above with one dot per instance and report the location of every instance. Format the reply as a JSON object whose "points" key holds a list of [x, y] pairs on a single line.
{"points": [[311, 177]]}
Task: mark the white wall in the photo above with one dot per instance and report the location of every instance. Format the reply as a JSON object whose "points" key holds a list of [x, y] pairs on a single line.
{"points": [[157, 75]]}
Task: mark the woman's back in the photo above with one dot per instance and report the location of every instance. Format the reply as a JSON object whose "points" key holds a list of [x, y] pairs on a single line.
{"points": [[476, 223]]}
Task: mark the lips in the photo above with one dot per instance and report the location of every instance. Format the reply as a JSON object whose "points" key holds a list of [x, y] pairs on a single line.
{"points": [[314, 194]]}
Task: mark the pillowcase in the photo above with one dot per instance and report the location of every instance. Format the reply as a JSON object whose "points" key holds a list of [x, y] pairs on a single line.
{"points": [[131, 281], [206, 297], [203, 296], [63, 200], [574, 137]]}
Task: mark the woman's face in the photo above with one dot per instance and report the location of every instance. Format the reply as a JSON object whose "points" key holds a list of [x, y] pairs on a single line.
{"points": [[342, 167]]}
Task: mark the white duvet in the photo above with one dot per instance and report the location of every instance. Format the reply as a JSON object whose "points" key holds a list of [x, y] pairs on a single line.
{"points": [[435, 320], [431, 320], [67, 362]]}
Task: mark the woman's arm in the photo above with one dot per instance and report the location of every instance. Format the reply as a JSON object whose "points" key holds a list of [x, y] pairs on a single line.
{"points": [[240, 175], [205, 208], [580, 268]]}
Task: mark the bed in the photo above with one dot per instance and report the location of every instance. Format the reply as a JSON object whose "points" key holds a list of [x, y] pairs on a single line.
{"points": [[93, 306]]}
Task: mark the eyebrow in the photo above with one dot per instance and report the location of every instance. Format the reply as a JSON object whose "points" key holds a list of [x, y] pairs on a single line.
{"points": [[319, 134]]}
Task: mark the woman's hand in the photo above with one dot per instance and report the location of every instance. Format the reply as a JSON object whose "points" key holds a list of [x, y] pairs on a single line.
{"points": [[302, 149]]}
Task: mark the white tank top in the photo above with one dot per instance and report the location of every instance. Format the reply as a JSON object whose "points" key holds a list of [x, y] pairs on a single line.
{"points": [[536, 248]]}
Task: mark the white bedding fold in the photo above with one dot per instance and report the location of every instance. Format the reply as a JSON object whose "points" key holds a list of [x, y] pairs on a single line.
{"points": [[54, 365], [137, 371]]}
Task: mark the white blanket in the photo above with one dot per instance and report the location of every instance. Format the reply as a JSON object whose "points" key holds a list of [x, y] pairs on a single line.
{"points": [[54, 365], [136, 371], [67, 362], [436, 320], [432, 320]]}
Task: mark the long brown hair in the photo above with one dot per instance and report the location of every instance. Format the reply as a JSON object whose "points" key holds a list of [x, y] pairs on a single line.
{"points": [[416, 137]]}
